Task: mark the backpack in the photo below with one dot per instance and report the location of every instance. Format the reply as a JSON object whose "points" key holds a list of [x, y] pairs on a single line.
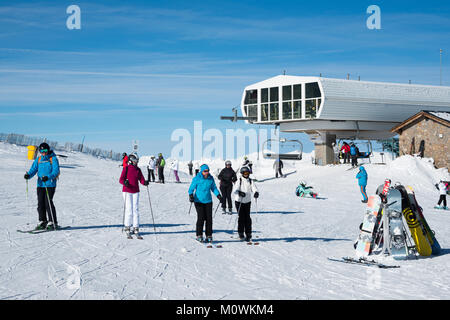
{"points": [[51, 162]]}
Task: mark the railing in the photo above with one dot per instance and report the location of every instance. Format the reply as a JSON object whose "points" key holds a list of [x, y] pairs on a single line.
{"points": [[22, 140]]}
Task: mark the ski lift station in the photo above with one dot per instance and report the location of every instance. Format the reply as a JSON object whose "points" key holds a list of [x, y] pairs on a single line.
{"points": [[330, 109]]}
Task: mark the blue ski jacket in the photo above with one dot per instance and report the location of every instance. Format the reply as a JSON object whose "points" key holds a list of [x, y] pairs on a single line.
{"points": [[47, 165], [362, 176], [203, 187], [353, 151]]}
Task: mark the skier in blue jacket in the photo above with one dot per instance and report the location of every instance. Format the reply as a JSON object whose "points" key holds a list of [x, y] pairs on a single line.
{"points": [[362, 181], [46, 166], [203, 184]]}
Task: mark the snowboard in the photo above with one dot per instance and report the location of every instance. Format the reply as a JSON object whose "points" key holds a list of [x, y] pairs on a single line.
{"points": [[399, 249], [435, 246], [364, 242], [416, 228]]}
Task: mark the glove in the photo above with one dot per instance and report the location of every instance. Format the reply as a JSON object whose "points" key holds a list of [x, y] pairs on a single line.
{"points": [[146, 183], [126, 183], [191, 198], [220, 198], [26, 176], [44, 178], [256, 195], [241, 194]]}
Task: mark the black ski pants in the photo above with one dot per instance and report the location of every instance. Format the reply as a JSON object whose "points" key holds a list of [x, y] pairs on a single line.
{"points": [[442, 198], [278, 172], [226, 191], [244, 220], [44, 205], [161, 174], [204, 216], [151, 175], [354, 161]]}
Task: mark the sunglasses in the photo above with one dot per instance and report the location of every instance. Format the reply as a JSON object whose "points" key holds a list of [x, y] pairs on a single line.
{"points": [[206, 171]]}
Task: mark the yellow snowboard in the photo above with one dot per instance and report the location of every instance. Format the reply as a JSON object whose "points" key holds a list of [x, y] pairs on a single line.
{"points": [[417, 233]]}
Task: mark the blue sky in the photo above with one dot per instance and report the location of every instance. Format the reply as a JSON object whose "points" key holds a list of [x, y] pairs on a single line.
{"points": [[141, 69]]}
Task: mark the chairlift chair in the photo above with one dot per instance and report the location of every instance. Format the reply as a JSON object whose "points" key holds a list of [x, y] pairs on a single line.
{"points": [[297, 155]]}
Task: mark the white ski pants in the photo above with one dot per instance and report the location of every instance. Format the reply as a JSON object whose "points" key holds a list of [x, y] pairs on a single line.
{"points": [[131, 203]]}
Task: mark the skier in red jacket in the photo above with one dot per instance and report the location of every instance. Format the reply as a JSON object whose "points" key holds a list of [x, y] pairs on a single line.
{"points": [[124, 160], [130, 178]]}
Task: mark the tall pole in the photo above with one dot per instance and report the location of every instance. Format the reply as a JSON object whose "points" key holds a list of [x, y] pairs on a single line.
{"points": [[440, 54]]}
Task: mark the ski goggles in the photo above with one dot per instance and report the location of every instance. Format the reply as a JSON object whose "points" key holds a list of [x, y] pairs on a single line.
{"points": [[43, 151], [206, 171]]}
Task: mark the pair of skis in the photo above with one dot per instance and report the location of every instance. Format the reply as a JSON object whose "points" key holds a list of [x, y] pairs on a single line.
{"points": [[364, 262], [209, 245], [34, 231]]}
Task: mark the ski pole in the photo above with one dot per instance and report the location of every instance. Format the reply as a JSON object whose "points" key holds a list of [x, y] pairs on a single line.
{"points": [[190, 207], [151, 210], [235, 221], [217, 208], [51, 210], [124, 208]]}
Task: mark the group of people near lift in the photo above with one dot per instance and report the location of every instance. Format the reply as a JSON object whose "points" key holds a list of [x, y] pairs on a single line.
{"points": [[348, 153], [240, 188]]}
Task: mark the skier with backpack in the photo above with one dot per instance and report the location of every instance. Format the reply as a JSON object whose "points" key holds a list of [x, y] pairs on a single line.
{"points": [[227, 178], [243, 200], [130, 178], [362, 181], [200, 194], [46, 166], [442, 187], [354, 152], [124, 160]]}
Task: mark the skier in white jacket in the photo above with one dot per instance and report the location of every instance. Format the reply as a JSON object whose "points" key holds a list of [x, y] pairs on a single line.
{"points": [[244, 189], [442, 195], [151, 169], [174, 167]]}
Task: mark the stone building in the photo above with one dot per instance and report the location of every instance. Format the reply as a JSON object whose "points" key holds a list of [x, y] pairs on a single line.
{"points": [[426, 134]]}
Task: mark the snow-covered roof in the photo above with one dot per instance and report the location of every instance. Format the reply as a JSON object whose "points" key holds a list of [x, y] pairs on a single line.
{"points": [[442, 115]]}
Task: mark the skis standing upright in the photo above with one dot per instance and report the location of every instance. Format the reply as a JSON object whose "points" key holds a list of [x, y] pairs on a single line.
{"points": [[435, 246]]}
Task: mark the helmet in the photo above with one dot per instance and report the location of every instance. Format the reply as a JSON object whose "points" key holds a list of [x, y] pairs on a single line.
{"points": [[44, 146], [245, 158], [152, 156], [227, 163], [244, 169], [133, 158], [303, 183]]}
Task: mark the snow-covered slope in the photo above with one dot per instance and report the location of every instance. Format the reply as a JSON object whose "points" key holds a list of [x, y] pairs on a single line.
{"points": [[296, 237]]}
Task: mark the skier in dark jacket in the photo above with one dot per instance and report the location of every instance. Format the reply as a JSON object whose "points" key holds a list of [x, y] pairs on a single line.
{"points": [[200, 194], [227, 178], [354, 152], [190, 166], [46, 166], [160, 163], [278, 165]]}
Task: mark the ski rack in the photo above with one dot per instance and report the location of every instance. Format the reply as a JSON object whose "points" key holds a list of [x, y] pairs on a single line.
{"points": [[283, 156]]}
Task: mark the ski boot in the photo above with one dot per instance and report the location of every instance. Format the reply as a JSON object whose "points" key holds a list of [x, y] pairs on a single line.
{"points": [[208, 239], [248, 238], [230, 211], [241, 236], [199, 238], [224, 211], [127, 232], [51, 226], [136, 233], [42, 225]]}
